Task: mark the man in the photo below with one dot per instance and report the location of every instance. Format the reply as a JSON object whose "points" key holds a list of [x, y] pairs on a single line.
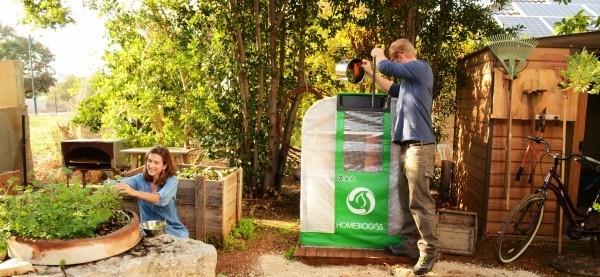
{"points": [[413, 132]]}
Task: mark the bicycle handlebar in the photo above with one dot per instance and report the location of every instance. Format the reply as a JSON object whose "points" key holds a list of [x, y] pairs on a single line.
{"points": [[568, 157]]}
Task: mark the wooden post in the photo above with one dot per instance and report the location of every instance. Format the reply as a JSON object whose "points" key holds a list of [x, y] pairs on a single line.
{"points": [[240, 187], [507, 154], [200, 209], [134, 160], [562, 169]]}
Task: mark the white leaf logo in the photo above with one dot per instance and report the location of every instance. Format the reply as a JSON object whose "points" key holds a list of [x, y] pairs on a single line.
{"points": [[360, 201]]}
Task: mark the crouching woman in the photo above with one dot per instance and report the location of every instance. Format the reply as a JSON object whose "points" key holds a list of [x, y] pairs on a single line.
{"points": [[155, 190]]}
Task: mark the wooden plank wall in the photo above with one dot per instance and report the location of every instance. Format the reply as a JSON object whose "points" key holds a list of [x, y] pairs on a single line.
{"points": [[497, 211], [12, 107], [541, 73], [471, 132]]}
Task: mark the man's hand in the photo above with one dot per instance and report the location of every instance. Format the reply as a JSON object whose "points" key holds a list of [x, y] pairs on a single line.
{"points": [[378, 53]]}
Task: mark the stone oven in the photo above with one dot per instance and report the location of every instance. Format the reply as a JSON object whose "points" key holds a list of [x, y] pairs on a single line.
{"points": [[93, 154]]}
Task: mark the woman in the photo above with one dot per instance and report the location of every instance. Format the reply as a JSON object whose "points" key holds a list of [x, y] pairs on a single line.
{"points": [[155, 190]]}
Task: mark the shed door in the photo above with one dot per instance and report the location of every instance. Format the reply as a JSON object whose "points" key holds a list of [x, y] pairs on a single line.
{"points": [[590, 147]]}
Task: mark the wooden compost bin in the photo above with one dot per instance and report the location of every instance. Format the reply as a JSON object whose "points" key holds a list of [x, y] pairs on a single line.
{"points": [[208, 208], [8, 176]]}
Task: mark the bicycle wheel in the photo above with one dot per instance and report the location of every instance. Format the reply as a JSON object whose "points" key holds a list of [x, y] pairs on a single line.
{"points": [[520, 228]]}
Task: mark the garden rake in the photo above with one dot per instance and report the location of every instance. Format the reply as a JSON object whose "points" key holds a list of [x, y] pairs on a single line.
{"points": [[512, 52]]}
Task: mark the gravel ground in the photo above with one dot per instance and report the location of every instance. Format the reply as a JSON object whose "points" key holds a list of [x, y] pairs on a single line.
{"points": [[277, 265]]}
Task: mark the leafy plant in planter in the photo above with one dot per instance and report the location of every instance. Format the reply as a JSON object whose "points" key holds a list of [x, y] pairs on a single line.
{"points": [[209, 173], [60, 212]]}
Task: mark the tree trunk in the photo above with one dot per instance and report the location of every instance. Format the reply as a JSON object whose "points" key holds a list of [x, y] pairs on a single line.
{"points": [[297, 97], [275, 20], [410, 21], [242, 78], [435, 63], [260, 93]]}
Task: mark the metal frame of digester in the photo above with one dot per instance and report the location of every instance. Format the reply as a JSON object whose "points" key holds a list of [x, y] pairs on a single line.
{"points": [[512, 52], [374, 68]]}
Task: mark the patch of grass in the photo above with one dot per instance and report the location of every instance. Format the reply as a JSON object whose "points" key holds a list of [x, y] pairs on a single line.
{"points": [[289, 253], [244, 231], [283, 227], [45, 137], [231, 243]]}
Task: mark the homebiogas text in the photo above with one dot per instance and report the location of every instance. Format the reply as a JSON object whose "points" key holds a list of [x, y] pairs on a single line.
{"points": [[359, 226]]}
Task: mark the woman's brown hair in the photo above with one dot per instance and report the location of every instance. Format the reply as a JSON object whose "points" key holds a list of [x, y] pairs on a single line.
{"points": [[169, 171]]}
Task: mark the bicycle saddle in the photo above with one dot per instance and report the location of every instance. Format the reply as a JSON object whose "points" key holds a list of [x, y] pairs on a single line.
{"points": [[536, 139]]}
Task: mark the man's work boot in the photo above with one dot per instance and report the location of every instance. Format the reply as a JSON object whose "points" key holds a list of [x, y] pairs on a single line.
{"points": [[402, 250], [425, 263]]}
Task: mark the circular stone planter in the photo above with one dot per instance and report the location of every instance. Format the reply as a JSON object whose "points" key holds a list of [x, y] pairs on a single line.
{"points": [[76, 251]]}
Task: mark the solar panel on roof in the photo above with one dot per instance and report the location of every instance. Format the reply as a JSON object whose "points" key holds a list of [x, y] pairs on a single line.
{"points": [[594, 7], [533, 26], [534, 9], [552, 20], [584, 2]]}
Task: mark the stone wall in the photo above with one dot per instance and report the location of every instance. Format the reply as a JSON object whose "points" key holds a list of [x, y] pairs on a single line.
{"points": [[160, 256]]}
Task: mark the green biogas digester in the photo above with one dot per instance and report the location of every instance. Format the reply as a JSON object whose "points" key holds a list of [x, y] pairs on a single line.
{"points": [[361, 178]]}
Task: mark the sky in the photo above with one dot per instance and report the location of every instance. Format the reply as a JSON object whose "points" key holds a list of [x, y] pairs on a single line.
{"points": [[77, 47]]}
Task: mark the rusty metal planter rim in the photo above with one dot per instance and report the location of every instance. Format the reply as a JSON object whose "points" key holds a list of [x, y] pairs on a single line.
{"points": [[76, 251]]}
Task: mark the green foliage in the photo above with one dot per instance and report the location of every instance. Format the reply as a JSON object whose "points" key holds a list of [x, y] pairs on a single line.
{"points": [[91, 110], [583, 73], [176, 69], [66, 89], [578, 23], [245, 230], [46, 13], [596, 206], [58, 211], [15, 47], [3, 248], [151, 91], [442, 36]]}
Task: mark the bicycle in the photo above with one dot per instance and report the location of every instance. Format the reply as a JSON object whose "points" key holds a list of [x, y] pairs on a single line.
{"points": [[532, 150], [523, 222]]}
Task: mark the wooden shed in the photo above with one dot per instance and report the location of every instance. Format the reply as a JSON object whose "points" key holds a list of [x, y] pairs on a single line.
{"points": [[481, 133]]}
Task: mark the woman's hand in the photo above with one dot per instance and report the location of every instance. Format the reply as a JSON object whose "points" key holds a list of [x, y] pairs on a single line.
{"points": [[126, 189]]}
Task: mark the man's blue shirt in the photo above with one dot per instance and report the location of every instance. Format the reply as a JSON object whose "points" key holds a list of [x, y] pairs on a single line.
{"points": [[415, 99], [165, 209]]}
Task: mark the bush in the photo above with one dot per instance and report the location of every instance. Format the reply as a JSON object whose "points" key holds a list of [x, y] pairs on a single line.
{"points": [[58, 212]]}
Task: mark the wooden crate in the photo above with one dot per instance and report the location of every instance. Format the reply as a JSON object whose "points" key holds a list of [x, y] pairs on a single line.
{"points": [[457, 231], [208, 208]]}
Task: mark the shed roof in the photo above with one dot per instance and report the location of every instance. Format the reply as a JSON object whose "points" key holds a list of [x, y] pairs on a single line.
{"points": [[589, 40]]}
